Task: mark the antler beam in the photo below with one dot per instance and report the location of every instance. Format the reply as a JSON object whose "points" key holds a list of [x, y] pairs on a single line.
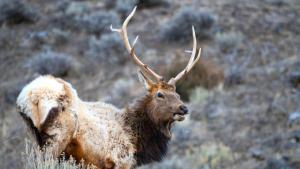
{"points": [[191, 62], [123, 33]]}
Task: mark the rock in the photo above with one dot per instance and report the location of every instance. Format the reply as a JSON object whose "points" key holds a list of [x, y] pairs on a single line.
{"points": [[14, 12]]}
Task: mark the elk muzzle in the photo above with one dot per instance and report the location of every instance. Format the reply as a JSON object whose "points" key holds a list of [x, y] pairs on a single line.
{"points": [[179, 115]]}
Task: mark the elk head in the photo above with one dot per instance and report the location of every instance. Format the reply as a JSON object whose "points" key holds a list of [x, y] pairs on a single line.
{"points": [[165, 105]]}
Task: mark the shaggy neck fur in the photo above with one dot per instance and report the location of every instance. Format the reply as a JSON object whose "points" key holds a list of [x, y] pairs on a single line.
{"points": [[151, 143]]}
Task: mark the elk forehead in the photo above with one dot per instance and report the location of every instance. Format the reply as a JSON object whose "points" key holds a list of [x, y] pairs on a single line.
{"points": [[163, 86]]}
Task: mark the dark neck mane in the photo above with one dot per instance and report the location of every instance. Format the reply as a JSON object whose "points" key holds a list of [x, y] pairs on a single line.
{"points": [[150, 143]]}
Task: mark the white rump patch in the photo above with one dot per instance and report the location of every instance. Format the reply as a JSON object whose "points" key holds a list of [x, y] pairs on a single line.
{"points": [[40, 96]]}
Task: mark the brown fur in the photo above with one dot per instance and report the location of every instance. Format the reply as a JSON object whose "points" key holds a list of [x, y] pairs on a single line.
{"points": [[74, 148], [148, 118], [151, 144]]}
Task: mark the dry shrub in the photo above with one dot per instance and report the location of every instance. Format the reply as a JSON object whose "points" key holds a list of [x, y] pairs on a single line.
{"points": [[204, 74], [90, 22], [13, 89], [33, 158], [13, 12], [211, 155], [56, 64], [152, 3], [229, 40], [124, 7], [109, 49], [179, 28]]}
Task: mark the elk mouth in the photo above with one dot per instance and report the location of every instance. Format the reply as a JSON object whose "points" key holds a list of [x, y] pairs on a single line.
{"points": [[166, 130], [179, 116]]}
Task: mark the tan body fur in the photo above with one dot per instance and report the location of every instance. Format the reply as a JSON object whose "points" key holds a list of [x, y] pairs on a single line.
{"points": [[89, 131]]}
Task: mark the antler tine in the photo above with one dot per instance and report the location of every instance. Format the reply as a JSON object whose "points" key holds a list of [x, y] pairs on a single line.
{"points": [[195, 61], [123, 33], [194, 48], [191, 62]]}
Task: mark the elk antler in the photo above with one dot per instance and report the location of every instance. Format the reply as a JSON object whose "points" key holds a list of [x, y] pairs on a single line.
{"points": [[191, 62], [123, 33], [144, 68]]}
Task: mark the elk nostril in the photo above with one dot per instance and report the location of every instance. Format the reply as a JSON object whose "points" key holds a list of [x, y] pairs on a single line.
{"points": [[184, 109]]}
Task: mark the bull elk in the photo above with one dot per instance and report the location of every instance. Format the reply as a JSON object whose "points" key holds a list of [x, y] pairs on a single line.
{"points": [[99, 133]]}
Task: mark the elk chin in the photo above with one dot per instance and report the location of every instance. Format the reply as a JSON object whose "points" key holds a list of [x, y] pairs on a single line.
{"points": [[166, 129]]}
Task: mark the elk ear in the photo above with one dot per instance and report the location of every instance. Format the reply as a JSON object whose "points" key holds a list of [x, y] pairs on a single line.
{"points": [[145, 80]]}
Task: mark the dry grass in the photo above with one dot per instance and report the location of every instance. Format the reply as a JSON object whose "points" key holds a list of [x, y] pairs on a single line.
{"points": [[33, 158]]}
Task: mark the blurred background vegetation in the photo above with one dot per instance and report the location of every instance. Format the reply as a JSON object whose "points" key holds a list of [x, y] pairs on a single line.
{"points": [[243, 94]]}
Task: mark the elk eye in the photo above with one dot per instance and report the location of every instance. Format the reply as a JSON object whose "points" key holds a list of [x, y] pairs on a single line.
{"points": [[160, 95]]}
